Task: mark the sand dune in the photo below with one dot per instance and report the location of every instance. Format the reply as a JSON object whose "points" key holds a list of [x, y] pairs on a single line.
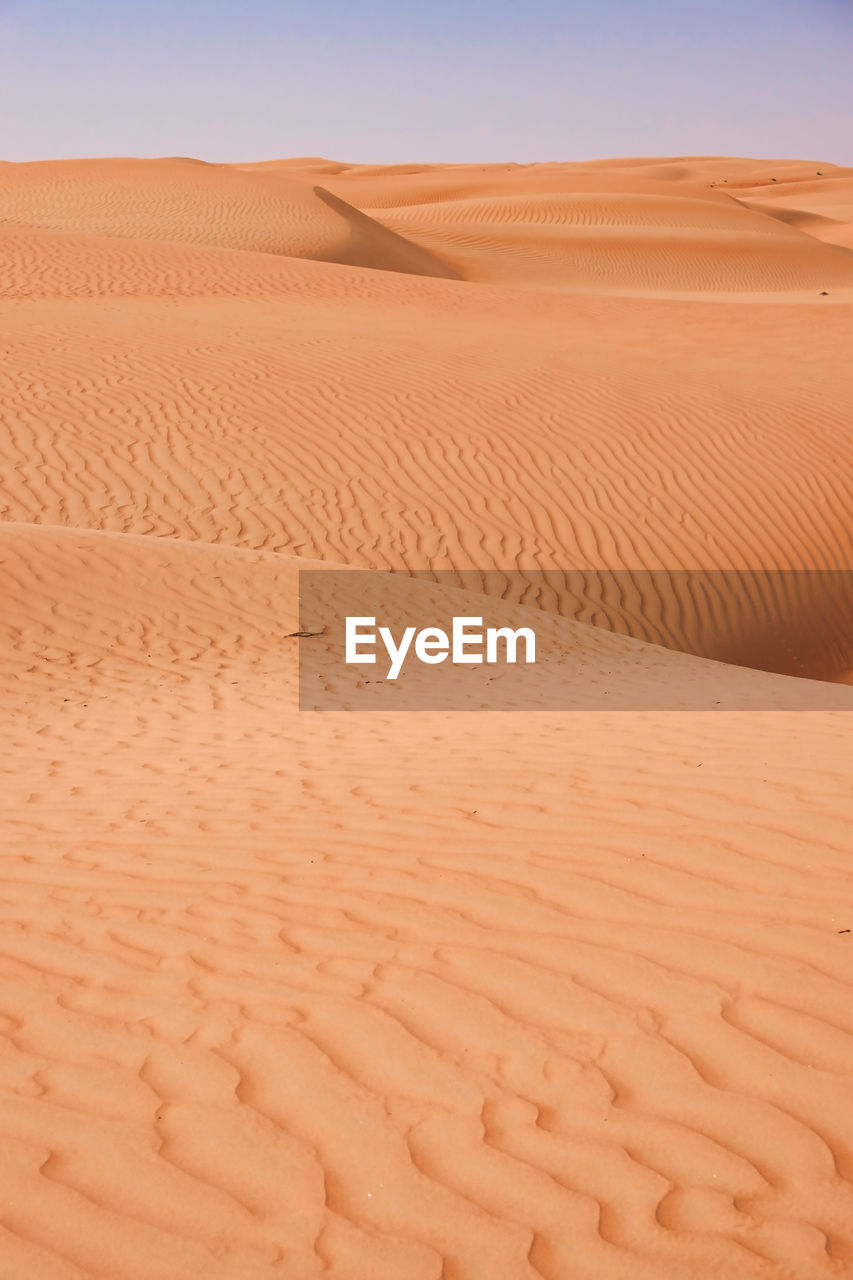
{"points": [[818, 203], [698, 175], [187, 202], [404, 996], [622, 240], [820, 209]]}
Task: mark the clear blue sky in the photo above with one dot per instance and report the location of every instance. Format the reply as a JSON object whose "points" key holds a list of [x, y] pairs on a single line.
{"points": [[378, 81]]}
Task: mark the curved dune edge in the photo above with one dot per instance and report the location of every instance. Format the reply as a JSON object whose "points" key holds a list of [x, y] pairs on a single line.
{"points": [[79, 599], [821, 214], [419, 996], [116, 603], [624, 239]]}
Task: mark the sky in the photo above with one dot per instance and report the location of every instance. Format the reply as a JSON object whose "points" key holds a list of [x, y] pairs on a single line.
{"points": [[376, 81]]}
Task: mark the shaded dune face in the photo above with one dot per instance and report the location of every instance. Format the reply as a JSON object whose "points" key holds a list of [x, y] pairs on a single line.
{"points": [[371, 245], [796, 622], [533, 995]]}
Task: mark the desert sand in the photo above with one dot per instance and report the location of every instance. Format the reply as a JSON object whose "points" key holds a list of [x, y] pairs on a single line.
{"points": [[459, 995]]}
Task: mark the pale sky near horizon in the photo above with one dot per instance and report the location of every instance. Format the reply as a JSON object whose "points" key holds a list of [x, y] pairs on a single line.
{"points": [[450, 80]]}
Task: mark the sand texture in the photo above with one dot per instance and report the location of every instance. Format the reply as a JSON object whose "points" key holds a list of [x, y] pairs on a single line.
{"points": [[439, 995]]}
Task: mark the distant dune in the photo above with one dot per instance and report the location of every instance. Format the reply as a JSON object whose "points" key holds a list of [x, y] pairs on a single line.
{"points": [[439, 994]]}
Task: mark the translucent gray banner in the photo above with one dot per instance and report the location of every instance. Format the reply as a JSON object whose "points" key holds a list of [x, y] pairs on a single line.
{"points": [[592, 640]]}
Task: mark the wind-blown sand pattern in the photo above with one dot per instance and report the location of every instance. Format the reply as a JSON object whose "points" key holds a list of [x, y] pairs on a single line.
{"points": [[426, 996]]}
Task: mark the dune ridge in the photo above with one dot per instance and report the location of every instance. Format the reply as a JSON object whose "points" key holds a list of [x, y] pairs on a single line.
{"points": [[426, 996]]}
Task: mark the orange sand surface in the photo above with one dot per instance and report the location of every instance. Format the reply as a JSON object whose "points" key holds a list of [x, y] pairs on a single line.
{"points": [[425, 996]]}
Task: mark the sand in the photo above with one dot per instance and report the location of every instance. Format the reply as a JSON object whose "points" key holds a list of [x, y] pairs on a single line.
{"points": [[434, 995]]}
